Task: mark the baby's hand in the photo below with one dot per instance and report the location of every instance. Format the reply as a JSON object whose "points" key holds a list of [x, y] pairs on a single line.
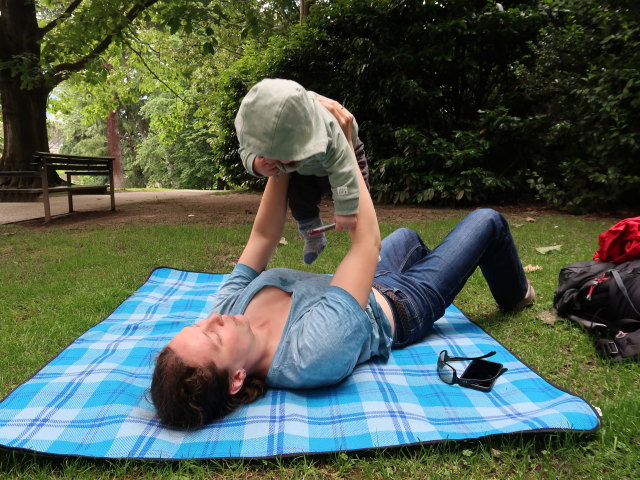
{"points": [[345, 222], [265, 167]]}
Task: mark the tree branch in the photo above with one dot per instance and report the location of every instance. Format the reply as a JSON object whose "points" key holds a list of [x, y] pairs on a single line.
{"points": [[62, 70], [156, 76], [66, 14]]}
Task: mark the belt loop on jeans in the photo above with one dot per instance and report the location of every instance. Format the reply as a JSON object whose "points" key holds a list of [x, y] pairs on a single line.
{"points": [[399, 311]]}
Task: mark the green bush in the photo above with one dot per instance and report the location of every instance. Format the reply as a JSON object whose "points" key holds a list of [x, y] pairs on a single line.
{"points": [[466, 102], [584, 89], [413, 73]]}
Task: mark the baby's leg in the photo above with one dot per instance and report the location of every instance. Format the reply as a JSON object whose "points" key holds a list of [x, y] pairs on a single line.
{"points": [[305, 193]]}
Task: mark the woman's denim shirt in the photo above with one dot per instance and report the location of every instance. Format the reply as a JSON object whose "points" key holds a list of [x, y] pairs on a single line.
{"points": [[327, 333]]}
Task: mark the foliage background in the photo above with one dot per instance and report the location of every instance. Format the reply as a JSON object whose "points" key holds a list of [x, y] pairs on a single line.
{"points": [[459, 103]]}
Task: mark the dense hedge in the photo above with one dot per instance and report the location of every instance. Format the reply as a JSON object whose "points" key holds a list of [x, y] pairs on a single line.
{"points": [[471, 101]]}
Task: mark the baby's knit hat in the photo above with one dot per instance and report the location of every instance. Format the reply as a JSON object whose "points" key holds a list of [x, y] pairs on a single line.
{"points": [[279, 119]]}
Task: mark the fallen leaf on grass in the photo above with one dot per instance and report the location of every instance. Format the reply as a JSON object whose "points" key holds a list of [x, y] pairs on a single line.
{"points": [[549, 317], [530, 219], [545, 250], [532, 268], [283, 241]]}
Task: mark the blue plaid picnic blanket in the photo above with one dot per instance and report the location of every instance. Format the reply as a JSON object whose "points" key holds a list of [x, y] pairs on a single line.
{"points": [[91, 400]]}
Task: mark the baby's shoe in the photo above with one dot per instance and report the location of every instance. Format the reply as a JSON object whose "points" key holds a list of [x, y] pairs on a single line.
{"points": [[313, 244]]}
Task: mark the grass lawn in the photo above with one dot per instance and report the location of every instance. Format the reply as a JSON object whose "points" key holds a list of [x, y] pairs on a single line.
{"points": [[56, 283]]}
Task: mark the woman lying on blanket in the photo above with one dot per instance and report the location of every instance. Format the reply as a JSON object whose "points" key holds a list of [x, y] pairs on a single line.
{"points": [[290, 329]]}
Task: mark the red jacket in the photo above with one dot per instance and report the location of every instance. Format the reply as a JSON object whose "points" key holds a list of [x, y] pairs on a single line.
{"points": [[620, 243]]}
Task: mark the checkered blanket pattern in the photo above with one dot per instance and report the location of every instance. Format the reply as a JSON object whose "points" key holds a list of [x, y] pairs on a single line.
{"points": [[91, 400]]}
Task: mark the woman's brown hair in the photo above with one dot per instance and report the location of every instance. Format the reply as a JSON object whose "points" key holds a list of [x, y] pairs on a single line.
{"points": [[190, 397]]}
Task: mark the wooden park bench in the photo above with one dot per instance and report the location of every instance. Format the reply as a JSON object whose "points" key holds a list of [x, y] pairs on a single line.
{"points": [[72, 165]]}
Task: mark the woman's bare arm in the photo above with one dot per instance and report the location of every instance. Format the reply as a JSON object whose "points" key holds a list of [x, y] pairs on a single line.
{"points": [[355, 272], [268, 224]]}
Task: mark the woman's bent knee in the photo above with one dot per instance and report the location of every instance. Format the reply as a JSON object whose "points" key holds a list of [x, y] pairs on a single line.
{"points": [[486, 213], [490, 216], [403, 234]]}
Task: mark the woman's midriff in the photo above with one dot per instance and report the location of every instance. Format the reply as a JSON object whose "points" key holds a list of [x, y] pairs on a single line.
{"points": [[386, 308]]}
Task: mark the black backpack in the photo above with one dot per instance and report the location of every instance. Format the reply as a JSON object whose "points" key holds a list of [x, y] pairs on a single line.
{"points": [[604, 298]]}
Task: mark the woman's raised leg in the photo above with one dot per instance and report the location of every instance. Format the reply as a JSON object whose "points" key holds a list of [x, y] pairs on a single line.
{"points": [[482, 239], [428, 281]]}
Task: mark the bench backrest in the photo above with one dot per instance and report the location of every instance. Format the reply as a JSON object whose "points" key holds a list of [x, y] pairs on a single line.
{"points": [[71, 162]]}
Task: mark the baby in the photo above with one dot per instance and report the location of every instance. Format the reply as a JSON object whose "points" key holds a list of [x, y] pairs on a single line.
{"points": [[282, 127]]}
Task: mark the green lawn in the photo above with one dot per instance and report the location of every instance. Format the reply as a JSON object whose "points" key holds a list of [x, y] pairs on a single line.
{"points": [[56, 283]]}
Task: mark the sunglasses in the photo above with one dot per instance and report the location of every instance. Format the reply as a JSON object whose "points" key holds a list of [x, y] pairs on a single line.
{"points": [[479, 375]]}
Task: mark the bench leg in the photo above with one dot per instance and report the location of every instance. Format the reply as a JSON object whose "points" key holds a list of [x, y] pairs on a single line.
{"points": [[69, 195], [112, 191], [45, 195]]}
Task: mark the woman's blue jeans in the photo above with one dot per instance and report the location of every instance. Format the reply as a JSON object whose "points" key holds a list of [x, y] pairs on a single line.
{"points": [[426, 281]]}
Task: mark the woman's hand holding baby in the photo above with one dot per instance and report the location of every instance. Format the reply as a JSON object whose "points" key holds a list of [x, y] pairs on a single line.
{"points": [[344, 117]]}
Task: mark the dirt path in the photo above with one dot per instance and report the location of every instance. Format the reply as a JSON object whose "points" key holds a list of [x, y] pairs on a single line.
{"points": [[173, 207], [177, 207], [14, 212]]}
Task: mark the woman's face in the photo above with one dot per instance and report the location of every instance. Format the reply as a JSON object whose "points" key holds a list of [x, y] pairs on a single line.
{"points": [[221, 339]]}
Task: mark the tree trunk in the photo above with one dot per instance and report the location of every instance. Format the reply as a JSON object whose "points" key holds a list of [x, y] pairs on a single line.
{"points": [[25, 83], [113, 146], [24, 117], [23, 94], [304, 9]]}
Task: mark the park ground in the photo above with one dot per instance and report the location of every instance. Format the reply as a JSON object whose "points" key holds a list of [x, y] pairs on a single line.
{"points": [[198, 207]]}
